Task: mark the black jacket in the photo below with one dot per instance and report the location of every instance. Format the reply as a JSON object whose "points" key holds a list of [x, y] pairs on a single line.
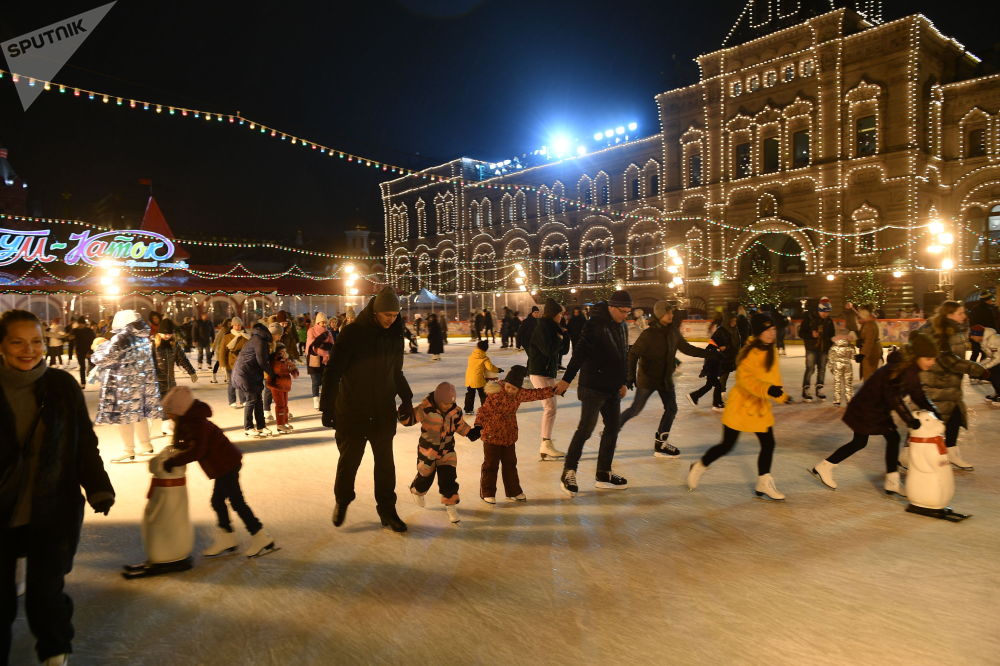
{"points": [[601, 353], [545, 348], [870, 410], [575, 326], [813, 322], [654, 355], [204, 332], [362, 380], [68, 459], [984, 314], [253, 361], [525, 331], [435, 336], [83, 340]]}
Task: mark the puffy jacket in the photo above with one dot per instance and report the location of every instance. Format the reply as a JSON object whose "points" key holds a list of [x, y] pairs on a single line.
{"points": [[128, 376], [198, 439], [824, 328], [991, 348], [167, 354], [319, 343], [545, 348], [748, 406], [870, 410], [600, 355], [943, 382], [525, 330], [841, 356], [651, 360], [475, 371], [282, 372], [254, 360], [730, 338]]}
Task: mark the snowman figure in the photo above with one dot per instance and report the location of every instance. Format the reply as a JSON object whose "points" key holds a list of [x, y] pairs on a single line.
{"points": [[930, 482], [167, 533]]}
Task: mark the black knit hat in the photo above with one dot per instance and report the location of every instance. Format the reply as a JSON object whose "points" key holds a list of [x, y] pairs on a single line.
{"points": [[516, 375], [620, 299], [760, 324], [551, 308], [166, 326], [922, 346]]}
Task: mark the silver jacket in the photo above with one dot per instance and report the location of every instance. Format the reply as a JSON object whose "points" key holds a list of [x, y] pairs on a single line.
{"points": [[841, 355], [128, 376]]}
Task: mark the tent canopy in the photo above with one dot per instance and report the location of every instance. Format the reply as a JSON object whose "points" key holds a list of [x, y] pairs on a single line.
{"points": [[425, 296]]}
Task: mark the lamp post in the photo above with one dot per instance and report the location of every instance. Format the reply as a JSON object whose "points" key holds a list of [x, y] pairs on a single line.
{"points": [[675, 267], [942, 246]]}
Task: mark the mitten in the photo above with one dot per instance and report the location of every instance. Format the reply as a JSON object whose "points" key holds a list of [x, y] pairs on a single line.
{"points": [[474, 433], [913, 424], [858, 358], [775, 391], [329, 420], [103, 505]]}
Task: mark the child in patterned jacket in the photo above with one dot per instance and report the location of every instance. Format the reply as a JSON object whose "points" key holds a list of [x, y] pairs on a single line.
{"points": [[498, 420], [440, 418]]}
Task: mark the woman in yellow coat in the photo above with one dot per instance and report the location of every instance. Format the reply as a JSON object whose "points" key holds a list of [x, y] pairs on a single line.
{"points": [[475, 375], [748, 408]]}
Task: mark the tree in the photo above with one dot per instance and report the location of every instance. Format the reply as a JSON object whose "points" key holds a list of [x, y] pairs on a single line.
{"points": [[759, 285], [866, 289]]}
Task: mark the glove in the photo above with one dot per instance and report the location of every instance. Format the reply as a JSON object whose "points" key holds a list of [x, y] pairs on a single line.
{"points": [[474, 433], [194, 378], [775, 391], [405, 413], [858, 358], [104, 506], [167, 466], [329, 420], [630, 386], [913, 424]]}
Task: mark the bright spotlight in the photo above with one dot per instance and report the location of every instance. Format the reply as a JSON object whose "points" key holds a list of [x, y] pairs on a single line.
{"points": [[113, 290], [672, 252], [830, 277], [609, 133], [598, 136], [523, 288], [678, 280], [935, 227], [518, 267], [935, 249], [677, 261], [633, 127], [946, 238], [620, 129], [897, 274], [947, 264], [581, 150], [671, 269], [716, 282], [560, 145], [573, 290], [752, 288]]}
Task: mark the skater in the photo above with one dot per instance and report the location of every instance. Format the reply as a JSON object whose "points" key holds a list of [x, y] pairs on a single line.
{"points": [[249, 373], [83, 342], [229, 350], [56, 336], [280, 384], [652, 361], [475, 375], [506, 328], [358, 399], [575, 326], [199, 440], [727, 342], [219, 348], [817, 333], [601, 358], [870, 411], [544, 352], [841, 361], [411, 339], [478, 321], [989, 345], [49, 452], [319, 346], [435, 337], [869, 344], [204, 334], [167, 354], [983, 313], [943, 383], [439, 418], [498, 421], [748, 409], [527, 328], [488, 326], [129, 393]]}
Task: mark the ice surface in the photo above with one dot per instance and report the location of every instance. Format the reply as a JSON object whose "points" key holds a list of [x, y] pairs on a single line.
{"points": [[653, 574]]}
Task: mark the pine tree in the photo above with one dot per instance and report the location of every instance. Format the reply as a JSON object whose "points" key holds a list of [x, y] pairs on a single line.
{"points": [[866, 289], [759, 285]]}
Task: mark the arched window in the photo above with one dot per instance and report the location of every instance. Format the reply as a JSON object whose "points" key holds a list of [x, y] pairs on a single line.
{"points": [[544, 203], [559, 198], [486, 210], [865, 224], [651, 174], [507, 208], [520, 206], [444, 209], [991, 239], [695, 248], [421, 218], [586, 190], [475, 218], [555, 264], [633, 184], [603, 186], [647, 252], [423, 271], [596, 260], [448, 279], [484, 269]]}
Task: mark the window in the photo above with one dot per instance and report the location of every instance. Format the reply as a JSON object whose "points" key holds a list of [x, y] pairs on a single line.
{"points": [[789, 73], [800, 149], [588, 196], [770, 78], [991, 242], [694, 170], [771, 162], [743, 166], [654, 185], [605, 193], [633, 188], [867, 136], [977, 143], [866, 241], [737, 88], [808, 68], [753, 83]]}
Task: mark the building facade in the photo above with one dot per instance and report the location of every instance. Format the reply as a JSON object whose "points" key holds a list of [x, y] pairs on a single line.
{"points": [[817, 145]]}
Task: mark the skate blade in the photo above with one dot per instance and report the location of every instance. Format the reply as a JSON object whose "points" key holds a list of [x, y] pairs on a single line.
{"points": [[970, 468], [546, 457], [893, 495], [266, 550], [766, 498], [570, 492], [227, 551], [820, 479], [668, 456]]}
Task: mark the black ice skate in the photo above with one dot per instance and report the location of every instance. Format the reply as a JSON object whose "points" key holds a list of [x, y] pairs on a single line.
{"points": [[944, 514], [819, 392], [147, 569], [391, 520], [806, 395]]}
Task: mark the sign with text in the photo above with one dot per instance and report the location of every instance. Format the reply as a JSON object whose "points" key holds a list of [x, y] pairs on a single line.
{"points": [[128, 247]]}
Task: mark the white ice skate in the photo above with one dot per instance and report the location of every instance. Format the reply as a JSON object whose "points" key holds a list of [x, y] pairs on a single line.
{"points": [[957, 461], [766, 490], [548, 452], [261, 543], [223, 543], [316, 403], [490, 500], [517, 498], [694, 474], [452, 513], [892, 485], [418, 499], [57, 660], [824, 472], [282, 429], [264, 432]]}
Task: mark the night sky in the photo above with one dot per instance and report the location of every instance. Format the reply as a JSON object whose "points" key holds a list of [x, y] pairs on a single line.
{"points": [[412, 82]]}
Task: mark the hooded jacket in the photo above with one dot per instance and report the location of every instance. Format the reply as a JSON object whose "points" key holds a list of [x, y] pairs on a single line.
{"points": [[361, 382], [824, 328], [475, 372], [943, 382], [545, 348], [128, 376], [254, 360], [748, 406], [651, 360], [870, 410], [601, 353], [198, 439], [167, 354]]}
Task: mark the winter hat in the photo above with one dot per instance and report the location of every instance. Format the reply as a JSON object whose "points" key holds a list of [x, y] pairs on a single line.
{"points": [[922, 346], [386, 300], [977, 330], [178, 400], [661, 308], [759, 325], [534, 308], [516, 375], [234, 321], [620, 299], [986, 296], [482, 345], [281, 317], [320, 318], [275, 330], [824, 305], [123, 318], [551, 308], [444, 394], [167, 326]]}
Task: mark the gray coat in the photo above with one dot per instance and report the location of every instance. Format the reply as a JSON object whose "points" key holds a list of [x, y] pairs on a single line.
{"points": [[128, 377], [943, 383]]}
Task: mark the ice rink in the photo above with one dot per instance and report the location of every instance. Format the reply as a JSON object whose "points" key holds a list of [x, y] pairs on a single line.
{"points": [[652, 575]]}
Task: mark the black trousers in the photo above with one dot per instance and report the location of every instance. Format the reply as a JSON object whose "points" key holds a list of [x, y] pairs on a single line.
{"points": [[470, 398], [860, 441], [594, 403], [253, 410], [952, 426], [227, 487], [729, 437], [977, 351], [49, 609], [351, 440], [715, 384], [84, 367]]}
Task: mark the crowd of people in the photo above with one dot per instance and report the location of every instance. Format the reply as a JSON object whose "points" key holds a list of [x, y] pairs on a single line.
{"points": [[355, 363]]}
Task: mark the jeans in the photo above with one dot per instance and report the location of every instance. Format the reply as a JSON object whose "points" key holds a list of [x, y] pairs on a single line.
{"points": [[860, 441], [235, 395], [351, 439], [669, 399], [815, 359], [711, 384], [227, 487], [205, 353], [548, 405], [268, 400], [85, 365], [593, 403], [317, 382], [729, 437], [253, 411], [49, 610]]}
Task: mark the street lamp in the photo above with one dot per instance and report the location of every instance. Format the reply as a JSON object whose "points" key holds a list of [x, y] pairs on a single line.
{"points": [[942, 243]]}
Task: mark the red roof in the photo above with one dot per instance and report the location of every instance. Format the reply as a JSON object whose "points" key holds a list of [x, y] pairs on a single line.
{"points": [[153, 220]]}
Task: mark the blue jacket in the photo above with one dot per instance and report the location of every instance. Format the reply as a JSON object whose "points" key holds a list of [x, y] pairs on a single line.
{"points": [[254, 360]]}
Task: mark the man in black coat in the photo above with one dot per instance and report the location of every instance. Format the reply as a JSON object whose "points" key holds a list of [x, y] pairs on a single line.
{"points": [[488, 326], [817, 331], [651, 364], [575, 326], [204, 336], [478, 321], [601, 359], [252, 367], [544, 352], [527, 328], [358, 398], [83, 342]]}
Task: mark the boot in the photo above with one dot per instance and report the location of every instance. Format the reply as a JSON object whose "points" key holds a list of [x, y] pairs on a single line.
{"points": [[316, 403], [57, 660], [549, 452], [892, 485], [694, 474], [339, 513], [225, 541], [819, 392], [452, 514], [215, 378], [904, 458], [957, 461], [391, 519], [766, 489], [824, 472], [806, 395]]}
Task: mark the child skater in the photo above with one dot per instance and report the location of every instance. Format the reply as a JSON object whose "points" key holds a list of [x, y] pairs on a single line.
{"points": [[498, 420], [475, 375], [840, 362], [280, 384], [198, 439], [748, 408], [870, 411], [440, 418]]}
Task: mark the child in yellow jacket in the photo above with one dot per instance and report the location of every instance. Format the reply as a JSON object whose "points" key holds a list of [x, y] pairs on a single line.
{"points": [[748, 408], [475, 375]]}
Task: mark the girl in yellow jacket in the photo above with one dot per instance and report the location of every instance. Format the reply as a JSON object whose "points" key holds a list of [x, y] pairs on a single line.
{"points": [[748, 408], [475, 376]]}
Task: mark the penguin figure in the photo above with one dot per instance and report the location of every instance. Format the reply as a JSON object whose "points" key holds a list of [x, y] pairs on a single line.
{"points": [[930, 482]]}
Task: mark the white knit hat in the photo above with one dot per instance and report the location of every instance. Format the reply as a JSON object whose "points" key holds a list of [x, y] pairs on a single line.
{"points": [[178, 400], [123, 318]]}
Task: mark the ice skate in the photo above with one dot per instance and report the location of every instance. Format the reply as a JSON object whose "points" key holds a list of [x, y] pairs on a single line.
{"points": [[662, 449], [944, 514], [57, 660], [452, 514], [283, 429], [269, 417], [339, 514], [892, 485], [151, 452], [251, 434], [224, 542], [518, 498], [568, 482], [147, 569], [489, 500], [957, 461], [824, 472], [819, 392], [610, 481], [418, 499], [806, 395], [391, 520], [124, 459], [549, 452], [692, 399], [264, 432], [718, 409], [316, 403], [234, 405], [214, 379], [694, 474], [261, 543], [766, 489]]}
